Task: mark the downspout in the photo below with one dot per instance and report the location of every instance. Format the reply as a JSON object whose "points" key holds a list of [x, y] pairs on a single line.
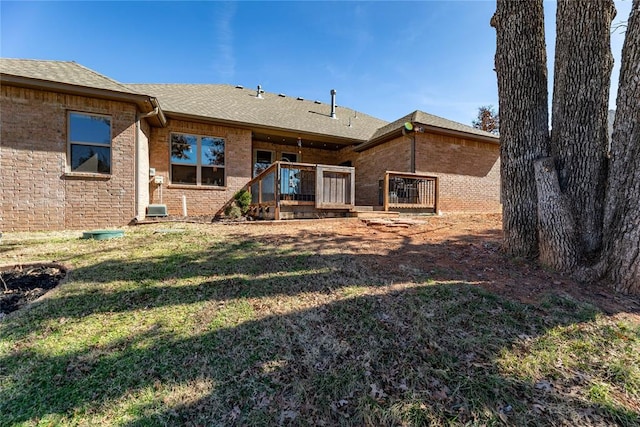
{"points": [[136, 155], [413, 153]]}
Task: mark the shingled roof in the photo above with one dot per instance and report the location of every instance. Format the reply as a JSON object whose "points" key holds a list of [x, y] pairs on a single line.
{"points": [[67, 72], [240, 106], [430, 122], [73, 78], [231, 105]]}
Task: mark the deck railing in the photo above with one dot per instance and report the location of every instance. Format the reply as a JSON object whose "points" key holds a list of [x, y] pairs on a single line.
{"points": [[401, 190], [303, 184]]}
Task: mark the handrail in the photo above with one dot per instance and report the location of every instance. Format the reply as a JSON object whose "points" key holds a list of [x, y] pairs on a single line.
{"points": [[409, 204], [276, 168], [259, 176]]}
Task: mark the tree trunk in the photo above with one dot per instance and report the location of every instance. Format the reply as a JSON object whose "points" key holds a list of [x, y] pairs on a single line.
{"points": [[621, 254], [557, 229], [579, 138], [521, 68]]}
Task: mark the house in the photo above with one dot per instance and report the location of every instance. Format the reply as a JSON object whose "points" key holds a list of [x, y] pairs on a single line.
{"points": [[79, 150]]}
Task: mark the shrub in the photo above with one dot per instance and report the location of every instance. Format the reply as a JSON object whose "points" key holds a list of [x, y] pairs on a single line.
{"points": [[243, 200], [233, 211]]}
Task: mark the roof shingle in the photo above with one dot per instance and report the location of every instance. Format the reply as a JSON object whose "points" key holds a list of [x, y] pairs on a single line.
{"points": [[232, 104], [67, 72]]}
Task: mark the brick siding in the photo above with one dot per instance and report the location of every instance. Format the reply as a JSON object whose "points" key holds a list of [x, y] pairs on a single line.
{"points": [[200, 200], [37, 192], [468, 171]]}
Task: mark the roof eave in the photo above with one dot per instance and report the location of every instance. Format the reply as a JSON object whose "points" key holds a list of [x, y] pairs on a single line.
{"points": [[145, 103], [427, 128], [264, 128]]}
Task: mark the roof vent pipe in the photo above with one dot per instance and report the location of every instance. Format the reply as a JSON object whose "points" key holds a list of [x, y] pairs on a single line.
{"points": [[333, 104], [259, 92]]}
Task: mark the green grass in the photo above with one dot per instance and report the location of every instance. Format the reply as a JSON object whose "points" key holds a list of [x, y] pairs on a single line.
{"points": [[241, 325]]}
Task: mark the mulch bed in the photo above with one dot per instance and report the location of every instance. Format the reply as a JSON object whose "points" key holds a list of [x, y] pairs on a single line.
{"points": [[22, 284]]}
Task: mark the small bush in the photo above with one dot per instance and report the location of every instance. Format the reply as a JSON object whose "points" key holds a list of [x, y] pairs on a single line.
{"points": [[233, 211], [243, 200]]}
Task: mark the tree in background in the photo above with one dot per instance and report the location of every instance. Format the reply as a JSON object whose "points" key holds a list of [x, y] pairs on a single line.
{"points": [[488, 120], [565, 199]]}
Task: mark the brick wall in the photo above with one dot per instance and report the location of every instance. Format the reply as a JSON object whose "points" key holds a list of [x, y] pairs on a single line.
{"points": [[200, 200], [468, 171], [37, 191], [307, 155], [371, 165]]}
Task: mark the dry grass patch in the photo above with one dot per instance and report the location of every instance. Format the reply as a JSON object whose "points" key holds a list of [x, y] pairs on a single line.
{"points": [[312, 324]]}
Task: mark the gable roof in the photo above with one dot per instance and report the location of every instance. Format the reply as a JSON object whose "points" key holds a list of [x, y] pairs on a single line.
{"points": [[67, 72], [73, 78], [226, 104], [429, 123], [241, 107]]}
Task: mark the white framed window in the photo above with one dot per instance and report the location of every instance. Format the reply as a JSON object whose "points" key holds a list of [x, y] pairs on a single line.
{"points": [[197, 160], [89, 142]]}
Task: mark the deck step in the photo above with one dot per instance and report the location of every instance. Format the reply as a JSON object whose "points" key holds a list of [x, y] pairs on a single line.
{"points": [[374, 214]]}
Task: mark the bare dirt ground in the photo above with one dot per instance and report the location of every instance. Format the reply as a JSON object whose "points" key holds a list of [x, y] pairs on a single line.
{"points": [[450, 248], [456, 248], [21, 285]]}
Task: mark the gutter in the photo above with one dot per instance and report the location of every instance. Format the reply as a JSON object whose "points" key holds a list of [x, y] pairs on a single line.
{"points": [[294, 133], [427, 128], [156, 112], [141, 100]]}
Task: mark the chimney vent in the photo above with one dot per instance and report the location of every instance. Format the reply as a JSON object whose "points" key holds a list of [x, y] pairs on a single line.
{"points": [[333, 103], [259, 92]]}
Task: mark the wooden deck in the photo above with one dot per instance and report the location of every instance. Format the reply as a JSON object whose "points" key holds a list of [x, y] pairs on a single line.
{"points": [[301, 190]]}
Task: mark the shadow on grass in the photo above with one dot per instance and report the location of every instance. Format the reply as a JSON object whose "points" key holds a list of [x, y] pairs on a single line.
{"points": [[416, 354]]}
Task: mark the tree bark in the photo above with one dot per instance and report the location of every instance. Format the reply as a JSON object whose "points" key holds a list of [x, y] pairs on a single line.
{"points": [[557, 228], [579, 136], [521, 68], [621, 254]]}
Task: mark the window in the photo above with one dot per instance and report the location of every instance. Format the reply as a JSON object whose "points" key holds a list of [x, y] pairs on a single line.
{"points": [[261, 160], [289, 157], [89, 143], [197, 160]]}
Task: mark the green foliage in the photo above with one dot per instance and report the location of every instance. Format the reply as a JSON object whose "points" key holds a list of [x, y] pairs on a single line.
{"points": [[243, 200], [233, 211]]}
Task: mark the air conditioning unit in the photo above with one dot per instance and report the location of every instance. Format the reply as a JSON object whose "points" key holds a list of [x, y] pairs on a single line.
{"points": [[157, 210]]}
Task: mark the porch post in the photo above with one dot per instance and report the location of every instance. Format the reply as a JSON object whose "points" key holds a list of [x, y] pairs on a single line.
{"points": [[385, 194], [276, 192]]}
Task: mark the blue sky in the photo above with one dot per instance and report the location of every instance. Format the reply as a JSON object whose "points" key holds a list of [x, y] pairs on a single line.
{"points": [[384, 58]]}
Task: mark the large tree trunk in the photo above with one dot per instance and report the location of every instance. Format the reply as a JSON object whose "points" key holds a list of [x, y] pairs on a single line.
{"points": [[557, 229], [521, 68], [621, 255], [582, 76]]}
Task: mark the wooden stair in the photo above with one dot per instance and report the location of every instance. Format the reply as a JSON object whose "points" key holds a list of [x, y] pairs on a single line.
{"points": [[370, 212]]}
